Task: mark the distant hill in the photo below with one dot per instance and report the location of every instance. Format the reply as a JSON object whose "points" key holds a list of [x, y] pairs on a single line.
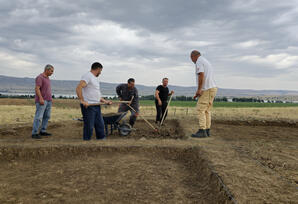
{"points": [[26, 85]]}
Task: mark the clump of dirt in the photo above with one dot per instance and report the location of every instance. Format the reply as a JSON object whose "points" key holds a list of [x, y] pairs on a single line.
{"points": [[108, 174], [170, 130]]}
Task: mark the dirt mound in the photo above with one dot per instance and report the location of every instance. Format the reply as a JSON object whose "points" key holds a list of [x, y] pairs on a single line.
{"points": [[276, 123], [110, 174], [170, 130]]}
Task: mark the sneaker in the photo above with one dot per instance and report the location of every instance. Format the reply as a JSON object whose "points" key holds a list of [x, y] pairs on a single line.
{"points": [[200, 134], [45, 134], [208, 132], [36, 136]]}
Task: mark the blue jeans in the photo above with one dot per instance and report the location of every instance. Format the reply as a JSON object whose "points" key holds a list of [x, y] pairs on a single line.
{"points": [[42, 115], [92, 118], [133, 117]]}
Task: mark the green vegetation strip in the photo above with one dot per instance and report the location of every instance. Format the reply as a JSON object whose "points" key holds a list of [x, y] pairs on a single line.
{"points": [[223, 104]]}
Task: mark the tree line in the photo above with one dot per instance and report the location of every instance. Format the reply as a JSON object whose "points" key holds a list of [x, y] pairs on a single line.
{"points": [[152, 97]]}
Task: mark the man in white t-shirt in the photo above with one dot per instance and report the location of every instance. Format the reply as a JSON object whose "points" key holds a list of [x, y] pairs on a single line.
{"points": [[206, 92], [88, 91]]}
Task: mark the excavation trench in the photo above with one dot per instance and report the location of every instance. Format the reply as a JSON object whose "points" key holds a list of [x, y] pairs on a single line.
{"points": [[108, 174]]}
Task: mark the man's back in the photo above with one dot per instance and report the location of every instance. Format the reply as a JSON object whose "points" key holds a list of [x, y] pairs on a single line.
{"points": [[203, 65]]}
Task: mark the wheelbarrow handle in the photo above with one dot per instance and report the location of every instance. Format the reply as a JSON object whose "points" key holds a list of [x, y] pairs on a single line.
{"points": [[96, 104], [142, 118]]}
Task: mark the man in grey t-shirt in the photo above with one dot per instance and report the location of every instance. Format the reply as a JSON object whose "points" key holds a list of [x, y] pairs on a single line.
{"points": [[126, 92]]}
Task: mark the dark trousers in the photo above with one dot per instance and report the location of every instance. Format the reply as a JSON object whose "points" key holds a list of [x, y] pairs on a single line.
{"points": [[132, 119], [92, 118], [160, 110]]}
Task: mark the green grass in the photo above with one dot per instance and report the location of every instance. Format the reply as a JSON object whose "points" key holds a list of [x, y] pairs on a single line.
{"points": [[223, 104], [253, 105]]}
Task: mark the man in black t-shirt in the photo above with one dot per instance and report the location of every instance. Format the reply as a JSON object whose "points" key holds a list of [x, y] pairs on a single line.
{"points": [[161, 99]]}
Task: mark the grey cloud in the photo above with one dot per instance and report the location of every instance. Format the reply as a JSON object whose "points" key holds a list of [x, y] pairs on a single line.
{"points": [[167, 30]]}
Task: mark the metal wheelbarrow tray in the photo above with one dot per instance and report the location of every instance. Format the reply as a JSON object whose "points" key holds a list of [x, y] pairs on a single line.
{"points": [[113, 119]]}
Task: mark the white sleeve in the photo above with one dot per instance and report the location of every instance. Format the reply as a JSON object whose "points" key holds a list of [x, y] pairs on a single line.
{"points": [[200, 67], [86, 78]]}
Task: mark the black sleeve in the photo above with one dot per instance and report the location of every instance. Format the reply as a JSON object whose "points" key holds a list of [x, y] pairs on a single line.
{"points": [[136, 96], [118, 91], [158, 88]]}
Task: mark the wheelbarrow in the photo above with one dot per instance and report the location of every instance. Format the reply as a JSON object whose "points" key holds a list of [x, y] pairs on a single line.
{"points": [[113, 119]]}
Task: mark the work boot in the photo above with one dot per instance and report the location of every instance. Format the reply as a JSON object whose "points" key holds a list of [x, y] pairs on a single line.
{"points": [[45, 134], [208, 132], [36, 136], [200, 134]]}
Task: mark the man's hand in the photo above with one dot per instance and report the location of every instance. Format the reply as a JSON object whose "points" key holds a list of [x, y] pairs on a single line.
{"points": [[172, 92], [198, 93], [131, 100], [159, 102], [41, 101], [84, 103], [108, 102]]}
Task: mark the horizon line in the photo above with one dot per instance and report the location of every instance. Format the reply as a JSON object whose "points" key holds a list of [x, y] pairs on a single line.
{"points": [[168, 85]]}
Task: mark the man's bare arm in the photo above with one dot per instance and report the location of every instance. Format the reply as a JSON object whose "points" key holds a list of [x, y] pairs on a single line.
{"points": [[157, 97], [79, 88], [201, 79], [200, 85], [38, 93]]}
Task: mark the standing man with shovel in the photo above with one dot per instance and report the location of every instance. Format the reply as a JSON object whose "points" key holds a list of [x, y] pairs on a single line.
{"points": [[127, 92], [206, 92], [161, 100], [88, 92]]}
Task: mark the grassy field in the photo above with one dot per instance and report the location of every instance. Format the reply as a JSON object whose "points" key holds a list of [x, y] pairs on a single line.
{"points": [[21, 111], [223, 104]]}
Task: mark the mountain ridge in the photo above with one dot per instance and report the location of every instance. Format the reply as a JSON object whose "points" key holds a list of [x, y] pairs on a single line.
{"points": [[9, 84]]}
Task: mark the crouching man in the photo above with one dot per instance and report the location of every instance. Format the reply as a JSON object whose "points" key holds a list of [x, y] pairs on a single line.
{"points": [[126, 92], [88, 92]]}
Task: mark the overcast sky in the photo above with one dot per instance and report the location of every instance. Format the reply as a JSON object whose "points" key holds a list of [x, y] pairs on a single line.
{"points": [[252, 44]]}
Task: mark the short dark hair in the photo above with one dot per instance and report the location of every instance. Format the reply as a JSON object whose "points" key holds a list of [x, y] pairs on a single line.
{"points": [[165, 78], [96, 65], [130, 80]]}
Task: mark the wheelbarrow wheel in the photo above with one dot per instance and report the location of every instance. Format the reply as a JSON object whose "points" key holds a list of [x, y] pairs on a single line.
{"points": [[124, 129]]}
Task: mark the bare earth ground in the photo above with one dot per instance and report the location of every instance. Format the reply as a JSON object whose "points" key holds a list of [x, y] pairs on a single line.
{"points": [[256, 164], [251, 161]]}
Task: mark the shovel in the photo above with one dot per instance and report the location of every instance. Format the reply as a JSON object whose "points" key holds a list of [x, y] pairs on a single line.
{"points": [[163, 117]]}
